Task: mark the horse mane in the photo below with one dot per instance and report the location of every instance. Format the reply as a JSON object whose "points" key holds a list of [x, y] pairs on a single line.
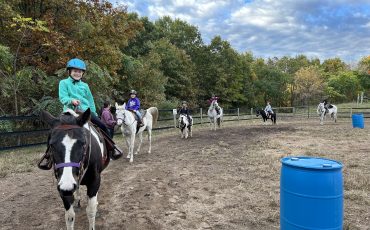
{"points": [[68, 117]]}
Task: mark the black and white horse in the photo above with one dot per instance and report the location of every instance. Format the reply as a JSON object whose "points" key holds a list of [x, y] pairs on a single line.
{"points": [[331, 111], [265, 117], [185, 126], [79, 155]]}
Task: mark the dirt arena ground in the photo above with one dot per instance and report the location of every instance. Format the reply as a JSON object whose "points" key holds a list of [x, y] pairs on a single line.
{"points": [[227, 179]]}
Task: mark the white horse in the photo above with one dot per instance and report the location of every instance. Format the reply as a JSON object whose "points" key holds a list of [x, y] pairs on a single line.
{"points": [[332, 111], [185, 126], [129, 127], [215, 118]]}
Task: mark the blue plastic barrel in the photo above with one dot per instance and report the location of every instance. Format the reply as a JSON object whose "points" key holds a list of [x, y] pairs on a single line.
{"points": [[311, 194], [358, 120]]}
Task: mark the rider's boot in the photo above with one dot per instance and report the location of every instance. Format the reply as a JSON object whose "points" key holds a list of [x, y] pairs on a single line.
{"points": [[140, 123], [116, 152], [45, 163]]}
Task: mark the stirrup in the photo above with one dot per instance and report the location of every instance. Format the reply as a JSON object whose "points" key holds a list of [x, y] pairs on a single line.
{"points": [[116, 153]]}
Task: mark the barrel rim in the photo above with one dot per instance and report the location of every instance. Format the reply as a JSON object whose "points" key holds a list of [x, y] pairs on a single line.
{"points": [[335, 167]]}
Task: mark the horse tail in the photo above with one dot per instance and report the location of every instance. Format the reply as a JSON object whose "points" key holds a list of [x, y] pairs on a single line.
{"points": [[154, 112]]}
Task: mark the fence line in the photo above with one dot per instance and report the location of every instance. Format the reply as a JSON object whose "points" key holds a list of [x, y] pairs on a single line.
{"points": [[12, 137]]}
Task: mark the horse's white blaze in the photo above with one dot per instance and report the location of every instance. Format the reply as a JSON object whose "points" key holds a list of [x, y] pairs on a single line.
{"points": [[67, 181], [91, 209], [70, 218], [96, 136]]}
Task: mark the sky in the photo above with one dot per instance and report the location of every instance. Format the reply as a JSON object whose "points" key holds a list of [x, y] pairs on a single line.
{"points": [[273, 28]]}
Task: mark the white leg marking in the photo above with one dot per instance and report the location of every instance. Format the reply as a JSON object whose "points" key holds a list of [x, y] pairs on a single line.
{"points": [[141, 141], [92, 206], [150, 139], [67, 181], [132, 144], [70, 218]]}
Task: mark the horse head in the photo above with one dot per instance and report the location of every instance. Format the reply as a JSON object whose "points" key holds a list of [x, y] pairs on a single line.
{"points": [[68, 144], [321, 108], [183, 121], [121, 114], [260, 112]]}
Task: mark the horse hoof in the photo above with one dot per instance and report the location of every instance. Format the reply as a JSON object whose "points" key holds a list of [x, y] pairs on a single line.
{"points": [[131, 160]]}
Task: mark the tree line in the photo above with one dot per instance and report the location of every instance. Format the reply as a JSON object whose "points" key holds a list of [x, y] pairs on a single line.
{"points": [[166, 61]]}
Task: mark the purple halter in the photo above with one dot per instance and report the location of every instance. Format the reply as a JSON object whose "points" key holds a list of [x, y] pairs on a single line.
{"points": [[69, 164]]}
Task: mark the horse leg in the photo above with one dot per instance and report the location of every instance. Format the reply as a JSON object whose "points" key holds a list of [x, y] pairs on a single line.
{"points": [[190, 131], [77, 203], [70, 218], [92, 201], [141, 141], [91, 209], [128, 141], [186, 132], [69, 214], [132, 145], [150, 138]]}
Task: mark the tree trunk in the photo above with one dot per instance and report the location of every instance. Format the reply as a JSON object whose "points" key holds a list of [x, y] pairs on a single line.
{"points": [[15, 101]]}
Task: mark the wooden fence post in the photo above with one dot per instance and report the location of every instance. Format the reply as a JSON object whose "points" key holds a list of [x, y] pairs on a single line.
{"points": [[238, 113], [201, 115]]}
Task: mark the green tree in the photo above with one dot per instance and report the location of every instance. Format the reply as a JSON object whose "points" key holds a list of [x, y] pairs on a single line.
{"points": [[309, 84], [346, 84]]}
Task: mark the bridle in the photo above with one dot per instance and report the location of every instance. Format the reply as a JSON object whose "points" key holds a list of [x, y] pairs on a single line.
{"points": [[87, 152], [123, 118]]}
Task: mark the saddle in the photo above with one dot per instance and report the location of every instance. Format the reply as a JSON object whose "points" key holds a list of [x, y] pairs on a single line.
{"points": [[139, 122], [142, 112]]}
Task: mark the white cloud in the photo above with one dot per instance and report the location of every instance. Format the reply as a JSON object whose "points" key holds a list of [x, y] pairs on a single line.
{"points": [[269, 28]]}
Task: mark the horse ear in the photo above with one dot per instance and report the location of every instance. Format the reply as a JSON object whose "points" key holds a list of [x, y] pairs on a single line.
{"points": [[83, 118], [116, 105], [124, 105], [48, 118]]}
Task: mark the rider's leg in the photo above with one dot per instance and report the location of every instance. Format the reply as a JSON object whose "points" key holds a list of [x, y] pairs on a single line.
{"points": [[140, 118], [116, 151], [45, 162]]}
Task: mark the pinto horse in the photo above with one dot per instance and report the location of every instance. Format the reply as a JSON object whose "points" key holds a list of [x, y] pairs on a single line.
{"points": [[322, 112], [79, 155], [129, 127], [265, 117], [214, 118], [185, 126]]}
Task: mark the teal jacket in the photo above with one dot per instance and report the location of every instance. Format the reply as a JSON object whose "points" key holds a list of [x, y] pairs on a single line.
{"points": [[71, 89]]}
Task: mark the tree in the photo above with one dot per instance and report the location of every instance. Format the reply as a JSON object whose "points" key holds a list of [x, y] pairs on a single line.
{"points": [[309, 83], [346, 85], [176, 65]]}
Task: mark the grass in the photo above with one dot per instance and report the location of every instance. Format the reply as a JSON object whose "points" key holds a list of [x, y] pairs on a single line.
{"points": [[20, 160]]}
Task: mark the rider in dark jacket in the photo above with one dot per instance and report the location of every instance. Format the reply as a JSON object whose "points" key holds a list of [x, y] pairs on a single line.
{"points": [[185, 111]]}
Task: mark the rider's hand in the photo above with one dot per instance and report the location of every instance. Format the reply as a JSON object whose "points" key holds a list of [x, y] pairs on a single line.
{"points": [[75, 102]]}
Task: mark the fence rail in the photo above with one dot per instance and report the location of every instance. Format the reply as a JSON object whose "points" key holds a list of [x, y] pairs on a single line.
{"points": [[24, 131]]}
